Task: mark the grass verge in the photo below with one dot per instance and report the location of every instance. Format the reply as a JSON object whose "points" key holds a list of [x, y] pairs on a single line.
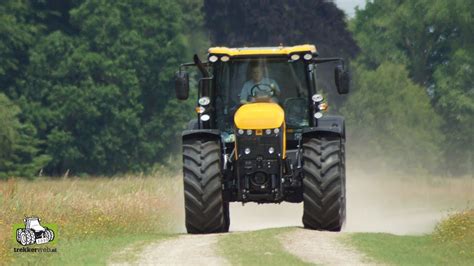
{"points": [[256, 248], [95, 216], [92, 251], [452, 243]]}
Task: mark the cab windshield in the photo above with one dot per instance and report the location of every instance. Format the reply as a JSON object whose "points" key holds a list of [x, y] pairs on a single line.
{"points": [[242, 81]]}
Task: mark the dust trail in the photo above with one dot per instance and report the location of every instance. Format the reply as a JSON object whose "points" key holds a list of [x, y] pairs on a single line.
{"points": [[402, 205], [254, 216], [376, 202], [381, 206]]}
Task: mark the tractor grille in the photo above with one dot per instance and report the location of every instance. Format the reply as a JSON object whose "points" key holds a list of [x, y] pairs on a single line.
{"points": [[259, 146]]}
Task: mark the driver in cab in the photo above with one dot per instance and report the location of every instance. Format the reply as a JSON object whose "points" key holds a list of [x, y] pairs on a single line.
{"points": [[259, 87]]}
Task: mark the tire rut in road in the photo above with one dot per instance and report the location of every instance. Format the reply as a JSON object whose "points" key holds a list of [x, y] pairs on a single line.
{"points": [[322, 248], [183, 250]]}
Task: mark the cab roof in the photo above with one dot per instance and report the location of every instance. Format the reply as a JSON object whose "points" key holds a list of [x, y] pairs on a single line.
{"points": [[277, 50]]}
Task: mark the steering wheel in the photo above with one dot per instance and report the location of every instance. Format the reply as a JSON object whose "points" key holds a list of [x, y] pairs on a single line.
{"points": [[257, 86]]}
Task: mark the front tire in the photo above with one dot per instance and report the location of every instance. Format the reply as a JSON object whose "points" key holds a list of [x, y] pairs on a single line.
{"points": [[204, 204], [324, 183]]}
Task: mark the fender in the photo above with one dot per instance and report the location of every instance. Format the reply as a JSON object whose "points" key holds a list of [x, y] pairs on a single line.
{"points": [[201, 133], [330, 124]]}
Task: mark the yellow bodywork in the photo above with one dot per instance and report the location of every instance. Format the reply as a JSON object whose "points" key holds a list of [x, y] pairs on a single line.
{"points": [[278, 50], [259, 116]]}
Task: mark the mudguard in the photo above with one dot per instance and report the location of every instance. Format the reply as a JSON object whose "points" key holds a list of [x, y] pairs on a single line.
{"points": [[193, 124], [201, 134], [330, 124]]}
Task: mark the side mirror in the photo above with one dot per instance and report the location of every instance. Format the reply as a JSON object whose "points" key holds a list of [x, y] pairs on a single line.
{"points": [[342, 79], [181, 84]]}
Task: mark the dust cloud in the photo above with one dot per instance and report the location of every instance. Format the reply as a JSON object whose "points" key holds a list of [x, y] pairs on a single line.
{"points": [[376, 202], [253, 216]]}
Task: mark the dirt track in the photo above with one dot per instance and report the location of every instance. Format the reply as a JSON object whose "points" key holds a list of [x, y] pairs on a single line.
{"points": [[374, 205], [183, 250], [326, 248]]}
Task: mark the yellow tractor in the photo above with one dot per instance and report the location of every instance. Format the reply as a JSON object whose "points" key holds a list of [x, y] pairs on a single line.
{"points": [[261, 135]]}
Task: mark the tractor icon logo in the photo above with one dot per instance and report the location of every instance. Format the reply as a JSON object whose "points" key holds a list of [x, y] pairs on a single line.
{"points": [[33, 232]]}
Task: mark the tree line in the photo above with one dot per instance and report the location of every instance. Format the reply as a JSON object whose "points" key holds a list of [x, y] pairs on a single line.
{"points": [[414, 81], [86, 85]]}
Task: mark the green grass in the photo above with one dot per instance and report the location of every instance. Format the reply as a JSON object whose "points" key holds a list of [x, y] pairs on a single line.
{"points": [[412, 250], [256, 248], [452, 243], [91, 251]]}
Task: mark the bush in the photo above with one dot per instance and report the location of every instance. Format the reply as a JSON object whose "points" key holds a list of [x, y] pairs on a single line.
{"points": [[458, 227]]}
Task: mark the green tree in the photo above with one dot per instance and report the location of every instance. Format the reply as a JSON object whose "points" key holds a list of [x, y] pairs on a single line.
{"points": [[195, 33], [390, 117], [101, 97], [455, 87], [17, 34], [270, 23], [8, 126], [19, 153], [421, 34], [434, 40]]}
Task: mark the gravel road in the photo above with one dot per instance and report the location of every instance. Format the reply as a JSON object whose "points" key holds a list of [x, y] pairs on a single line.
{"points": [[322, 248], [186, 250]]}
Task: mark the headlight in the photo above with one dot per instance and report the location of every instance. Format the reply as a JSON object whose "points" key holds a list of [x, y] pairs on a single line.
{"points": [[213, 58], [205, 117], [317, 98], [276, 130], [268, 131], [308, 56], [295, 57], [204, 100], [241, 131], [318, 115], [247, 150], [225, 58], [249, 132], [271, 150]]}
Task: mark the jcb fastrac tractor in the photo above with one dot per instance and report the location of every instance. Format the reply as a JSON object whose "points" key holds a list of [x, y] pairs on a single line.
{"points": [[261, 136]]}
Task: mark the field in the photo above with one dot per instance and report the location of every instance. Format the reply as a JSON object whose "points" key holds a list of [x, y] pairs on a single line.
{"points": [[95, 216]]}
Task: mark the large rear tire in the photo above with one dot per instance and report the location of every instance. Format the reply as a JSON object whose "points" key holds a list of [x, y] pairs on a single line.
{"points": [[324, 183], [204, 204]]}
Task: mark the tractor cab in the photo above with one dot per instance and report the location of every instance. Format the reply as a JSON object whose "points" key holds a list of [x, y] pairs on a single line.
{"points": [[257, 108]]}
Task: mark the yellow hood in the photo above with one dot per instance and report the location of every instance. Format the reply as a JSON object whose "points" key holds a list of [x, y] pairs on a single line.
{"points": [[259, 116]]}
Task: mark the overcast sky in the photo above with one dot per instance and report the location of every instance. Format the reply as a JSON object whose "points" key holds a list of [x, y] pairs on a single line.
{"points": [[349, 5]]}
